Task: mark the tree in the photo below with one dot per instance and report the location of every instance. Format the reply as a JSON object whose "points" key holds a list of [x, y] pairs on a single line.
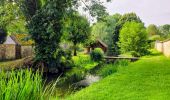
{"points": [[129, 17], [104, 30], [79, 30], [46, 29], [30, 7], [11, 19], [165, 31], [152, 30], [6, 16], [133, 38]]}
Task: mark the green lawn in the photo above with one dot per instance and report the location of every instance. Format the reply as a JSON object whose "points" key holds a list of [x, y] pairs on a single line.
{"points": [[146, 79]]}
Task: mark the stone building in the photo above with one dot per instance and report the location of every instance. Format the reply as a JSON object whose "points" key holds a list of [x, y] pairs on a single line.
{"points": [[16, 47]]}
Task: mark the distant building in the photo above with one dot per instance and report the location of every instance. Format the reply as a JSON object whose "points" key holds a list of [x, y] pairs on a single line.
{"points": [[98, 44], [15, 47]]}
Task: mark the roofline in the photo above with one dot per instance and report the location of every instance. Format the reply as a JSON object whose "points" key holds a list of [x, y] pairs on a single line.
{"points": [[105, 45], [14, 39]]}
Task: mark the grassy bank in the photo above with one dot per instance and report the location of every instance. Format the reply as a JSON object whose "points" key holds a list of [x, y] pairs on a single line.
{"points": [[146, 79]]}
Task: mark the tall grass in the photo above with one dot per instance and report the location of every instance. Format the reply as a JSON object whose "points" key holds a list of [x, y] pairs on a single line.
{"points": [[23, 85], [109, 69]]}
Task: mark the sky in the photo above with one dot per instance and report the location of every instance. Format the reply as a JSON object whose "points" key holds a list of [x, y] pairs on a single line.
{"points": [[150, 11]]}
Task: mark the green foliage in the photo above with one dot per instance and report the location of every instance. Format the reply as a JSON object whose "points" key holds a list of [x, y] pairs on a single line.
{"points": [[123, 62], [3, 35], [23, 85], [84, 62], [45, 29], [74, 75], [29, 7], [11, 15], [107, 70], [133, 38], [78, 30], [98, 10], [97, 54], [138, 81], [104, 30], [129, 17], [152, 30], [165, 31]]}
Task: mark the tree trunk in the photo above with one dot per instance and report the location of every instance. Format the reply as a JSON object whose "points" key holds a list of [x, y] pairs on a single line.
{"points": [[75, 51]]}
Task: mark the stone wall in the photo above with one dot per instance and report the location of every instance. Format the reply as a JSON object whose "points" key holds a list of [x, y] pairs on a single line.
{"points": [[163, 47], [7, 51], [26, 51], [166, 48]]}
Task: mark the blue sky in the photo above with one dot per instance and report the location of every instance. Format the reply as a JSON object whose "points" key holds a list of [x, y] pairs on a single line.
{"points": [[150, 11]]}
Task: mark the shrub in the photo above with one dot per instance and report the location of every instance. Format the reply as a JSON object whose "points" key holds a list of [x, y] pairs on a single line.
{"points": [[97, 54]]}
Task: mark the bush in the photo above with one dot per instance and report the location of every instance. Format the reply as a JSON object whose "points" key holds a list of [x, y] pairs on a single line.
{"points": [[97, 54]]}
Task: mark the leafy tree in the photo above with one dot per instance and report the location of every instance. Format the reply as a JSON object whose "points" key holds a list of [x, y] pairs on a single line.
{"points": [[29, 7], [99, 30], [129, 17], [46, 29], [79, 30], [6, 17], [104, 30], [152, 30], [133, 38], [11, 19], [165, 31]]}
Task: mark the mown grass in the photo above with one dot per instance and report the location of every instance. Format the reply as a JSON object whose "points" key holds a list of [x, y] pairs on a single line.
{"points": [[146, 79]]}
